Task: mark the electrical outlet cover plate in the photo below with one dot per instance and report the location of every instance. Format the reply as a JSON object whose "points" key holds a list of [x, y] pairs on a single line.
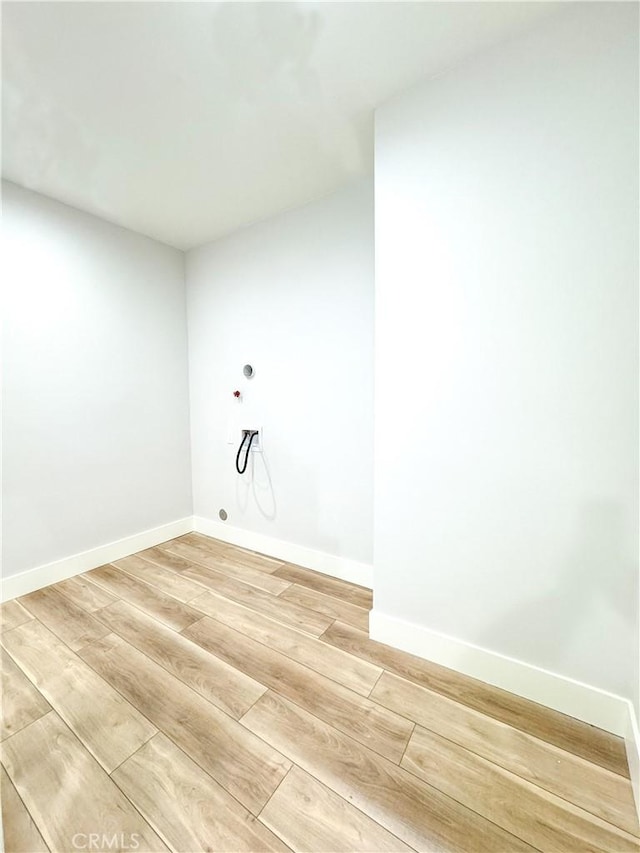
{"points": [[256, 444], [235, 433]]}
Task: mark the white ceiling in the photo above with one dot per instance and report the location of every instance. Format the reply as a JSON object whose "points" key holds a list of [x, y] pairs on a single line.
{"points": [[185, 121]]}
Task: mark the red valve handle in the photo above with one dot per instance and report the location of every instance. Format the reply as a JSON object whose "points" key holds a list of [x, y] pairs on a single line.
{"points": [[236, 394]]}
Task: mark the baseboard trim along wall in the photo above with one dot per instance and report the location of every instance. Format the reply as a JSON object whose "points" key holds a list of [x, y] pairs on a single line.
{"points": [[571, 697], [632, 744], [32, 579], [613, 713], [582, 701], [329, 564]]}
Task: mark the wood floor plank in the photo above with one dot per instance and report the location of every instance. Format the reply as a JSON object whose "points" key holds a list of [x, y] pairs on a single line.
{"points": [[599, 791], [270, 605], [12, 614], [361, 596], [251, 563], [332, 607], [243, 764], [340, 666], [381, 730], [167, 580], [538, 817], [309, 816], [201, 727], [21, 835], [69, 795], [104, 721], [252, 558], [185, 806], [164, 557], [206, 565], [233, 552], [418, 814], [21, 702], [211, 578], [214, 546], [167, 609], [225, 686], [69, 622], [85, 594], [572, 735]]}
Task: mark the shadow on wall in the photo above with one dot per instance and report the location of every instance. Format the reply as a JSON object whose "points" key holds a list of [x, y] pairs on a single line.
{"points": [[255, 491], [592, 606], [262, 488], [257, 484]]}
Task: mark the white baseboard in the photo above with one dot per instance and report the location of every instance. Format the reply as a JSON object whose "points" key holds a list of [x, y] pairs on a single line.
{"points": [[328, 564], [339, 567], [582, 701], [566, 695], [632, 744], [21, 584]]}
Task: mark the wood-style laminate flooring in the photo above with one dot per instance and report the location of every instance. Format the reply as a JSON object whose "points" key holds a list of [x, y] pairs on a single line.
{"points": [[199, 697]]}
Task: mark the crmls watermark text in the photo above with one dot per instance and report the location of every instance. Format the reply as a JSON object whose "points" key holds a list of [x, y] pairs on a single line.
{"points": [[106, 841]]}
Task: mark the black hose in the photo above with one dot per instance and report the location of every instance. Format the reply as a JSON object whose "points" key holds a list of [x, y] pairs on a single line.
{"points": [[250, 436]]}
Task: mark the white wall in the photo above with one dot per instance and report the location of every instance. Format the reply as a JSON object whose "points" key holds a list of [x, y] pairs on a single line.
{"points": [[294, 297], [506, 350], [95, 390]]}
